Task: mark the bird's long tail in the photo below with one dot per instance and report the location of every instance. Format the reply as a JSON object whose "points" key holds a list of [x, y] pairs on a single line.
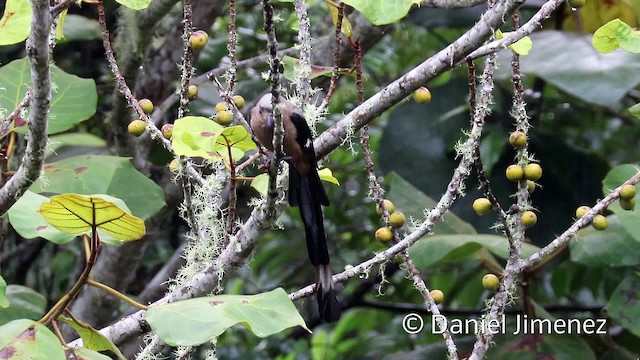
{"points": [[307, 192]]}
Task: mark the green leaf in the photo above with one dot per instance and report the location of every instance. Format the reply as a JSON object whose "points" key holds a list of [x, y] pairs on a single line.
{"points": [[80, 28], [195, 136], [345, 28], [237, 138], [102, 174], [77, 214], [623, 305], [614, 34], [412, 202], [75, 139], [196, 321], [612, 247], [4, 301], [24, 303], [25, 339], [91, 338], [635, 110], [520, 47], [435, 248], [261, 183], [568, 61], [135, 4], [630, 220], [16, 21], [382, 12], [84, 354], [326, 175], [73, 99]]}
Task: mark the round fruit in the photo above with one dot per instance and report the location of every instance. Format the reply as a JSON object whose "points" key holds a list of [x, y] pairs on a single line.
{"points": [[387, 205], [514, 173], [137, 127], [174, 165], [482, 206], [531, 186], [198, 39], [167, 131], [576, 4], [528, 219], [581, 211], [600, 222], [146, 105], [518, 139], [221, 106], [490, 282], [192, 91], [239, 101], [224, 117], [533, 172], [628, 192], [629, 204], [384, 235], [397, 220], [437, 295], [422, 95]]}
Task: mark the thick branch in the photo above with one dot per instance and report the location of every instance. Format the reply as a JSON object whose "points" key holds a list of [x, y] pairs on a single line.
{"points": [[39, 104]]}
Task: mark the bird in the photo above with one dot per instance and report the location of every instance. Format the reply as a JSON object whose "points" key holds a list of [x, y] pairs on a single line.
{"points": [[305, 191]]}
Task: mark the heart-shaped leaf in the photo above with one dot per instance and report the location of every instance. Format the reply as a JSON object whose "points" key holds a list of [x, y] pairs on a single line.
{"points": [[26, 339]]}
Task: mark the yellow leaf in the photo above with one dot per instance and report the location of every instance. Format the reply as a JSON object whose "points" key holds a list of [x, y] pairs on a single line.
{"points": [[327, 175], [346, 25], [77, 214]]}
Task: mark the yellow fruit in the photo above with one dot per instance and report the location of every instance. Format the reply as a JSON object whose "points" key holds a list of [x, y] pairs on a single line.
{"points": [[137, 127], [628, 192], [174, 165], [581, 211], [629, 204], [167, 131], [224, 117], [518, 139], [490, 282], [422, 95], [239, 101], [437, 295], [482, 206], [600, 222], [146, 105], [533, 172], [198, 39], [576, 4], [387, 205], [531, 186], [192, 91], [514, 173], [384, 235], [397, 220], [528, 219], [221, 106]]}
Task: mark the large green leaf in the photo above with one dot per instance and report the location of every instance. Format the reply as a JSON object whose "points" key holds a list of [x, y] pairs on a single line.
{"points": [[611, 247], [568, 61], [24, 303], [382, 12], [196, 321], [412, 202], [195, 136], [432, 249], [102, 174], [73, 99], [91, 338], [135, 4], [630, 220], [25, 339], [15, 22], [624, 304], [614, 34]]}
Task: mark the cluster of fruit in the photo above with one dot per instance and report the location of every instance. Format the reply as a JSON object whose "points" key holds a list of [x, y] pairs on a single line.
{"points": [[396, 221]]}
